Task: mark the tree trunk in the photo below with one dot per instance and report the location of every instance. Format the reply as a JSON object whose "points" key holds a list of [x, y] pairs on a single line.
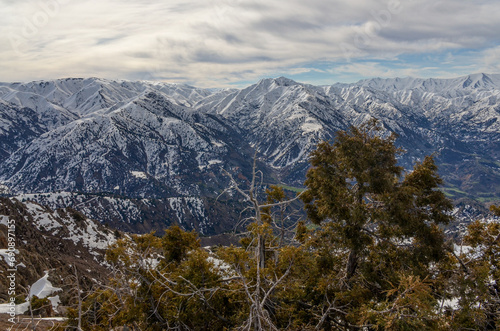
{"points": [[261, 252], [282, 238], [352, 264]]}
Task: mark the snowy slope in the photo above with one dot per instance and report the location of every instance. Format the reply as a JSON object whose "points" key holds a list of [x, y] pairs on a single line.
{"points": [[144, 215], [67, 225], [283, 119], [18, 126], [149, 135], [75, 97], [52, 240]]}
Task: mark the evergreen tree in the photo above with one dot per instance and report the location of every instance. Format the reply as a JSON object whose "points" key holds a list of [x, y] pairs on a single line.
{"points": [[474, 284], [379, 233]]}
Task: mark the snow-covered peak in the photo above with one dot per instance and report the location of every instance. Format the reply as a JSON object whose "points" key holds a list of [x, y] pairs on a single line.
{"points": [[76, 97], [280, 81], [481, 80]]}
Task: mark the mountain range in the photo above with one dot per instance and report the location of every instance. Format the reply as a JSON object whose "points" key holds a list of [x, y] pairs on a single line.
{"points": [[142, 155]]}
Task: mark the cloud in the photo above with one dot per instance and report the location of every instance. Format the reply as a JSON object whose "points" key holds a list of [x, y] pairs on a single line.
{"points": [[222, 42], [491, 60]]}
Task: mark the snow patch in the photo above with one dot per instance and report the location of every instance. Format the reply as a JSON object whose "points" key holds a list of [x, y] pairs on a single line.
{"points": [[42, 219], [55, 302], [217, 144], [139, 174], [311, 127], [42, 288], [5, 308], [5, 254], [4, 220]]}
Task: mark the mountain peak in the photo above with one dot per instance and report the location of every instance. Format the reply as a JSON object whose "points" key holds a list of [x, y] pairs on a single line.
{"points": [[279, 81], [480, 80], [283, 81]]}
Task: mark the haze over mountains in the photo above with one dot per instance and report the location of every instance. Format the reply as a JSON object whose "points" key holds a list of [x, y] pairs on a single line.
{"points": [[118, 143]]}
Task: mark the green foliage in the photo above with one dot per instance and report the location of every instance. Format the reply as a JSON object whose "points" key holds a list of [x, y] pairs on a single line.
{"points": [[177, 243], [356, 184], [41, 306], [381, 230], [274, 194], [160, 283], [348, 179], [475, 284], [19, 299], [495, 210]]}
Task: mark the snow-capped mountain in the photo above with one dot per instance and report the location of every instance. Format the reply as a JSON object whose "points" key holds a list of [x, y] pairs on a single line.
{"points": [[282, 119], [457, 119], [157, 140], [147, 146], [18, 126]]}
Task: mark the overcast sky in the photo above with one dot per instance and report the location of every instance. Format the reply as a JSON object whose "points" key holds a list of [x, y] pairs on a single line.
{"points": [[220, 43]]}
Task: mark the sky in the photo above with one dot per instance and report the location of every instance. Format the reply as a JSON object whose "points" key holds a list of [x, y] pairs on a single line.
{"points": [[234, 43]]}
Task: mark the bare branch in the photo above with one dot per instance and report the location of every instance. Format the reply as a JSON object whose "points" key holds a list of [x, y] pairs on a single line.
{"points": [[282, 202]]}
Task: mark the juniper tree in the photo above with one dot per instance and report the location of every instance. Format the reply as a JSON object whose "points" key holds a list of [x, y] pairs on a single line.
{"points": [[383, 224], [356, 184], [258, 279], [474, 283]]}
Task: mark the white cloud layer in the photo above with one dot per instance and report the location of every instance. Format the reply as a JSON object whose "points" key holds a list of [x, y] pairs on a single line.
{"points": [[219, 42]]}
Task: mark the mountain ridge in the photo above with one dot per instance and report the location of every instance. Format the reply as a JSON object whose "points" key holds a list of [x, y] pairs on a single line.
{"points": [[159, 140]]}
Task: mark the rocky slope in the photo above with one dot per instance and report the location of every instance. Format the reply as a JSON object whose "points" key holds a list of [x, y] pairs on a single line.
{"points": [[142, 215], [53, 242]]}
